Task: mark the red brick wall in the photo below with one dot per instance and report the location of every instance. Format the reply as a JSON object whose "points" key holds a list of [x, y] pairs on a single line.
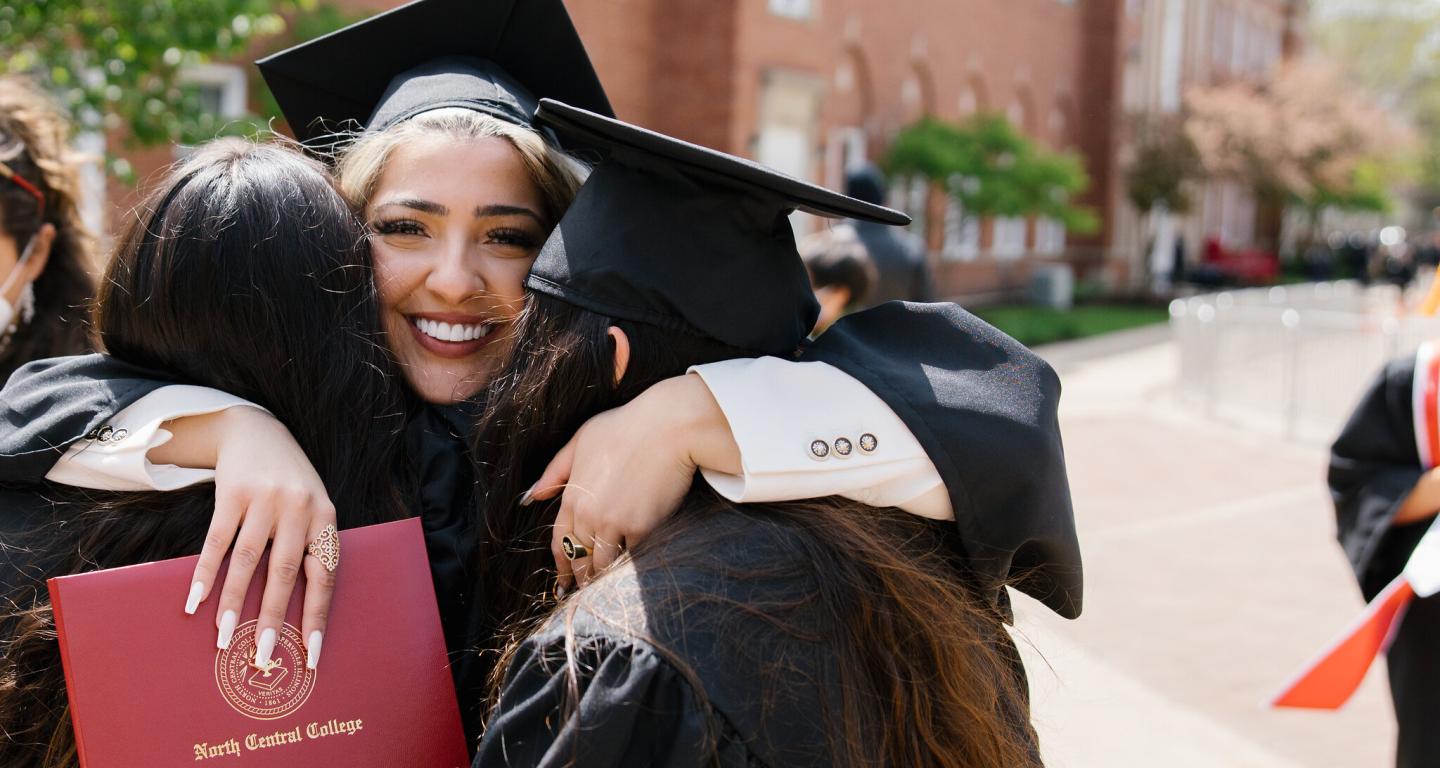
{"points": [[696, 68]]}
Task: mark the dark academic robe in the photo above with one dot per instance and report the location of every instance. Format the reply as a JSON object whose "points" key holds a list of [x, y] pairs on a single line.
{"points": [[983, 407], [655, 682], [50, 404], [673, 668], [1374, 464]]}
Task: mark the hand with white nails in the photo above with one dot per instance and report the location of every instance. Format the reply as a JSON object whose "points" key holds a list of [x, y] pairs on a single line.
{"points": [[266, 492], [628, 469]]}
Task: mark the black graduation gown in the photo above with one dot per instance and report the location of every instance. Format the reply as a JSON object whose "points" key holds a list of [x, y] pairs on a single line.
{"points": [[50, 404], [982, 405], [985, 409], [1374, 464], [670, 656]]}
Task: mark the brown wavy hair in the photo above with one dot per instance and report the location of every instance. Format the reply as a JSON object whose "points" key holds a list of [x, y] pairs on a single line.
{"points": [[928, 675], [39, 133]]}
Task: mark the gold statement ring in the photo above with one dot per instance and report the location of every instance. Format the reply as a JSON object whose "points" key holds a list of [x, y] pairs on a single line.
{"points": [[326, 548]]}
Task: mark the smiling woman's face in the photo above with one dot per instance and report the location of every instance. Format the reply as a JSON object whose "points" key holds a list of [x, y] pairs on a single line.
{"points": [[456, 227]]}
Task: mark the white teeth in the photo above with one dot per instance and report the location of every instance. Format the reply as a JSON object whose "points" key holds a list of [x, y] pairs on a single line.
{"points": [[451, 333]]}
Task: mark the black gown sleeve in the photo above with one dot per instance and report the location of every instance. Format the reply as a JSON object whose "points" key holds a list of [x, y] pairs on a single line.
{"points": [[634, 709], [985, 410], [49, 404], [1374, 464]]}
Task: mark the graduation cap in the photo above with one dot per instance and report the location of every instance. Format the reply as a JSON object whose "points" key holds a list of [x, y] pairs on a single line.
{"points": [[686, 238], [491, 56]]}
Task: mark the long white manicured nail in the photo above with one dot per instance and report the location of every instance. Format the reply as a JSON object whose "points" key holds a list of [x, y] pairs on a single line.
{"points": [[527, 497], [227, 630], [312, 650], [264, 647], [193, 601]]}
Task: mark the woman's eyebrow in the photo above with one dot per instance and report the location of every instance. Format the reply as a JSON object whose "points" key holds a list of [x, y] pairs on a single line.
{"points": [[423, 206], [507, 210]]}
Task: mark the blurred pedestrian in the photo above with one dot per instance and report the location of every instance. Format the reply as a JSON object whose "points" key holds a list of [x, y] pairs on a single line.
{"points": [[1386, 488], [44, 247], [903, 272], [841, 273]]}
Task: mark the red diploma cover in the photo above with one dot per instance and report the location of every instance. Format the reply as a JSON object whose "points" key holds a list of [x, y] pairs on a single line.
{"points": [[148, 688]]}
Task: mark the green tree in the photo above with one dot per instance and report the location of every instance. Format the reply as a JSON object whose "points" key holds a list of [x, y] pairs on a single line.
{"points": [[1165, 166], [1391, 48], [992, 169], [116, 64]]}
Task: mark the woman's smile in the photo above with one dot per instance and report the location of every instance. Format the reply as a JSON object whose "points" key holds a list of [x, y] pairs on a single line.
{"points": [[453, 336]]}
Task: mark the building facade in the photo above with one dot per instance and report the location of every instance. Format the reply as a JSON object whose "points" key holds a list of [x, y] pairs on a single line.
{"points": [[815, 87], [1166, 47]]}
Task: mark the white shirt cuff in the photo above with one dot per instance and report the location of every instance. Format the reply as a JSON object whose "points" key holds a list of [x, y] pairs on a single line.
{"points": [[807, 430], [114, 457]]}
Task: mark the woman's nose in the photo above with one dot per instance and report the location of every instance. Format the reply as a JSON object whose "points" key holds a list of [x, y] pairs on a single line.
{"points": [[456, 276]]}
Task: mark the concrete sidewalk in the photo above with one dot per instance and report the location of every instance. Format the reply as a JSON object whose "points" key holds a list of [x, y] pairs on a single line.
{"points": [[1212, 573]]}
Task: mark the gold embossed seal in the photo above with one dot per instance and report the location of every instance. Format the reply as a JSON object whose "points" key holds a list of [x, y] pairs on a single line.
{"points": [[269, 692]]}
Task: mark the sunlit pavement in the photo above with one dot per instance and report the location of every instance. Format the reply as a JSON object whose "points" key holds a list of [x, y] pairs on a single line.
{"points": [[1212, 572]]}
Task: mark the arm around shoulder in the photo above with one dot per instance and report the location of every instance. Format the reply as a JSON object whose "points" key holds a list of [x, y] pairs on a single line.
{"points": [[986, 411], [49, 405]]}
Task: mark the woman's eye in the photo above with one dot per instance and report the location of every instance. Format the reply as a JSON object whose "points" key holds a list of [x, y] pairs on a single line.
{"points": [[398, 227], [517, 237]]}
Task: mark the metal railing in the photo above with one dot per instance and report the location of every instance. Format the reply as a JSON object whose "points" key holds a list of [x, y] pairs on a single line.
{"points": [[1291, 359]]}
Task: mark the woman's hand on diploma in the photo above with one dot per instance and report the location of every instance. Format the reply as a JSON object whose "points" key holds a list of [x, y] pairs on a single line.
{"points": [[266, 492]]}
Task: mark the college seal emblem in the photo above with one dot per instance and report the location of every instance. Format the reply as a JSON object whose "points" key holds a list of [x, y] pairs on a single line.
{"points": [[269, 692]]}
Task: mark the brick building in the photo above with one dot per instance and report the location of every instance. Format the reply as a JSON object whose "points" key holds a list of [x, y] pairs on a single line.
{"points": [[1162, 48], [815, 86]]}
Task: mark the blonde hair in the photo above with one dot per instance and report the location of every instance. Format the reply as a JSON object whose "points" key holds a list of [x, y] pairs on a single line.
{"points": [[557, 175]]}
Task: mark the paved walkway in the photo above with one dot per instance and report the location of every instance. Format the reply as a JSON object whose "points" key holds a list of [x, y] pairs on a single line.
{"points": [[1211, 573]]}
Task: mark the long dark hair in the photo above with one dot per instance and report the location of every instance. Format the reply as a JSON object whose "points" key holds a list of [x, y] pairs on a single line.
{"points": [[34, 142], [245, 272], [927, 675]]}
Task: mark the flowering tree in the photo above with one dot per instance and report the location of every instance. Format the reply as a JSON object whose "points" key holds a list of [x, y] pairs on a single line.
{"points": [[1307, 136]]}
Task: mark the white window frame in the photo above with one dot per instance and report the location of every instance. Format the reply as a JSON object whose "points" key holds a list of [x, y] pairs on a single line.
{"points": [[1049, 236], [918, 206], [962, 234], [800, 10], [1009, 242], [845, 151], [229, 78]]}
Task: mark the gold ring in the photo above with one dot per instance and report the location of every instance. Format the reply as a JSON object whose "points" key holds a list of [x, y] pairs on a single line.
{"points": [[573, 549], [326, 547]]}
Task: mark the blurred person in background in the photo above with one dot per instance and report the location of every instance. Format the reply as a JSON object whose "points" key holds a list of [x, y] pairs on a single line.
{"points": [[44, 248], [841, 273], [1386, 488], [903, 272]]}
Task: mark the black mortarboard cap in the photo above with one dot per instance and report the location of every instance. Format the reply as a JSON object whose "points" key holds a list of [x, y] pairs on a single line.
{"points": [[687, 238], [492, 56]]}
